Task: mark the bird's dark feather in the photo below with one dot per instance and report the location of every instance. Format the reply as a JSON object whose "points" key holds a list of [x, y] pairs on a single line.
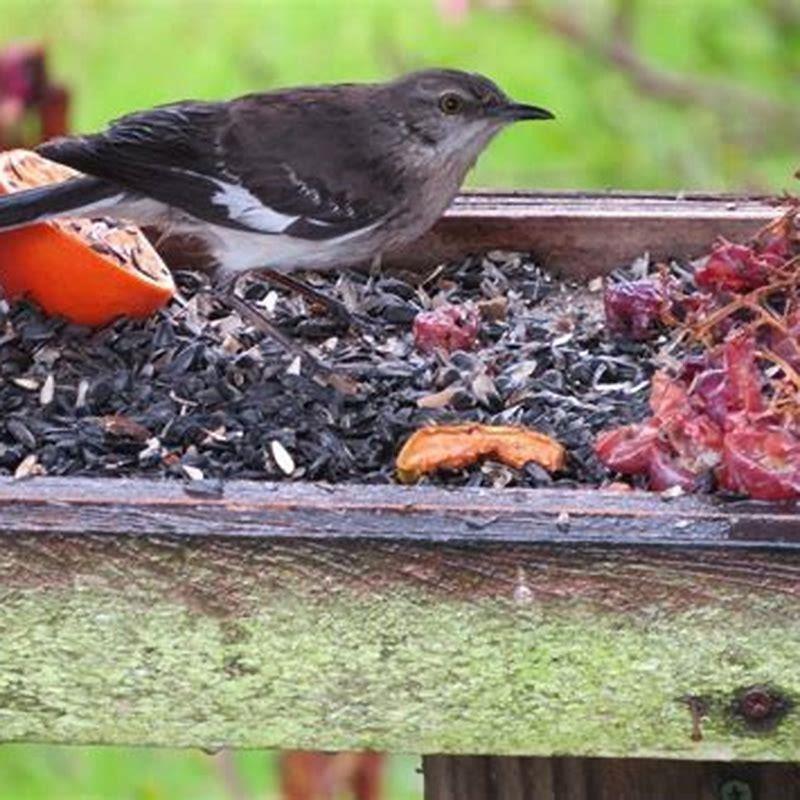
{"points": [[182, 154]]}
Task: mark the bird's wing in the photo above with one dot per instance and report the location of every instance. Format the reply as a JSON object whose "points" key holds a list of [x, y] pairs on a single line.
{"points": [[252, 165]]}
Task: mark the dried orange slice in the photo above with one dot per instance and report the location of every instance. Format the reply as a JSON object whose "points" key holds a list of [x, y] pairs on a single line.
{"points": [[457, 446], [88, 271]]}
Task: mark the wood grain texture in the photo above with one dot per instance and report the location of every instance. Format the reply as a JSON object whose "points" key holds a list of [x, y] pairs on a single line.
{"points": [[395, 618], [577, 517], [583, 235], [493, 778]]}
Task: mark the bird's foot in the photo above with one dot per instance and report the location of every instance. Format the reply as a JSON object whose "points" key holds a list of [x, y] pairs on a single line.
{"points": [[321, 372], [332, 306]]}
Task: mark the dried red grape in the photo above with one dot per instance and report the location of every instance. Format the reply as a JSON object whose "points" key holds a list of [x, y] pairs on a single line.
{"points": [[761, 462], [710, 392], [633, 307], [448, 327], [786, 345], [673, 448], [684, 438], [666, 471], [668, 397], [743, 384], [735, 268], [627, 449]]}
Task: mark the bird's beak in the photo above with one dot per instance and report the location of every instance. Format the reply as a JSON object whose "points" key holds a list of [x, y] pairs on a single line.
{"points": [[515, 112]]}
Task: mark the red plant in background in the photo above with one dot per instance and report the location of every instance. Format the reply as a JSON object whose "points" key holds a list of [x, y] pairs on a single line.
{"points": [[311, 775], [453, 10], [32, 108], [731, 411]]}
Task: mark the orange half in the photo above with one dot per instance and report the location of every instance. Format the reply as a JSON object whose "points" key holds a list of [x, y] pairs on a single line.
{"points": [[89, 271]]}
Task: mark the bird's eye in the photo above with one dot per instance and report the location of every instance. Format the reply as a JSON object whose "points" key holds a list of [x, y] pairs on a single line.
{"points": [[450, 103]]}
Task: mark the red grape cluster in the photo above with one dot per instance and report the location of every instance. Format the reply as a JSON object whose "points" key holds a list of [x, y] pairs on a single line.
{"points": [[727, 413]]}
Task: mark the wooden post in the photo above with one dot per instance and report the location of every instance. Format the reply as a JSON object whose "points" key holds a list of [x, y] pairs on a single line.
{"points": [[505, 778]]}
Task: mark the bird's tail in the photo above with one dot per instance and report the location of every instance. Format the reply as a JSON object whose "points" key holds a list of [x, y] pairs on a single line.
{"points": [[75, 197]]}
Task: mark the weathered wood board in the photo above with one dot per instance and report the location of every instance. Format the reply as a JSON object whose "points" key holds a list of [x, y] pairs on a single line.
{"points": [[565, 778], [582, 235], [532, 622]]}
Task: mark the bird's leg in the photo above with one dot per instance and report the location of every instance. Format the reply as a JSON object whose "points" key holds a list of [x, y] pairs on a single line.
{"points": [[331, 305], [261, 322], [376, 266]]}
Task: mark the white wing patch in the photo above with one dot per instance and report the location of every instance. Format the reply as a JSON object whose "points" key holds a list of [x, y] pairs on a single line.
{"points": [[244, 207]]}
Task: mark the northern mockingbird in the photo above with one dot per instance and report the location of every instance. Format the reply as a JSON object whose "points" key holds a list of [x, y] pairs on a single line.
{"points": [[318, 178]]}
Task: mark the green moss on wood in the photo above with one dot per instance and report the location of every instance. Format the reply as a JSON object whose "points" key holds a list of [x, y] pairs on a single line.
{"points": [[402, 668]]}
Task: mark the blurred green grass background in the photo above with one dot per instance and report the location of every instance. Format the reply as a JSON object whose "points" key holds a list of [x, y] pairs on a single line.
{"points": [[29, 772], [121, 55], [675, 94]]}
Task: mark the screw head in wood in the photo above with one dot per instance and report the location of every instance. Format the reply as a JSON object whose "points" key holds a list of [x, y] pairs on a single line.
{"points": [[757, 703], [761, 708], [735, 790]]}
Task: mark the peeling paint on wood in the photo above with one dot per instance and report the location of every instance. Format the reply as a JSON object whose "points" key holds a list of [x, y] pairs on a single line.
{"points": [[384, 617]]}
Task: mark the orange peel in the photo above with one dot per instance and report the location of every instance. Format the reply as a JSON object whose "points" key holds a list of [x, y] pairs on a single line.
{"points": [[87, 271]]}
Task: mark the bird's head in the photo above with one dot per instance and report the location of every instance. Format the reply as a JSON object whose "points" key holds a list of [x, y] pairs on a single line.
{"points": [[456, 113]]}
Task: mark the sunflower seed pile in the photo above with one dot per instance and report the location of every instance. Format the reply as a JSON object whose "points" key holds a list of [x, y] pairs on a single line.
{"points": [[194, 393]]}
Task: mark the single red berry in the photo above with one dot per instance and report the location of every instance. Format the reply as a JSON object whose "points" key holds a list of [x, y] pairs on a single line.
{"points": [[448, 328], [633, 307]]}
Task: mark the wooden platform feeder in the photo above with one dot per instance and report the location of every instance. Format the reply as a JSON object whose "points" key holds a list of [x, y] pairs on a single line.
{"points": [[553, 645]]}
